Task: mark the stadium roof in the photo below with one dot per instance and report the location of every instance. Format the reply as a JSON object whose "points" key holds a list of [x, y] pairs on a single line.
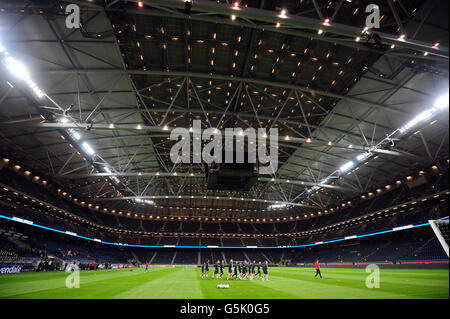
{"points": [[134, 72]]}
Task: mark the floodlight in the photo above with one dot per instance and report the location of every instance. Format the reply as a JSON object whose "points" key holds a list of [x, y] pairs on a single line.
{"points": [[278, 206], [346, 167], [76, 136], [363, 157], [442, 102], [283, 14], [17, 69], [88, 148]]}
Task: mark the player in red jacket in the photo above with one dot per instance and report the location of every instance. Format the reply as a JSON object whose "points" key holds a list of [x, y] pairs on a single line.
{"points": [[316, 264]]}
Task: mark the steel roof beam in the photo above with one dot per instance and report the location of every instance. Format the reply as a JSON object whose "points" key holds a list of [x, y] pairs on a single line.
{"points": [[131, 111], [158, 129], [190, 175], [216, 198], [229, 78]]}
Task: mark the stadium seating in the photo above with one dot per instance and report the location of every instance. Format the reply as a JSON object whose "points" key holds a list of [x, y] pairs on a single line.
{"points": [[399, 206], [412, 245]]}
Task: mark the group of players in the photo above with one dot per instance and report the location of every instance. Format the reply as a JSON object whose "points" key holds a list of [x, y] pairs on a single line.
{"points": [[238, 270]]}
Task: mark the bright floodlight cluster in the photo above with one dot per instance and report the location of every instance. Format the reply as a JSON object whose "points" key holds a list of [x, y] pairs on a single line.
{"points": [[114, 178], [278, 206], [346, 167], [19, 71], [74, 134], [88, 148], [440, 104], [144, 201]]}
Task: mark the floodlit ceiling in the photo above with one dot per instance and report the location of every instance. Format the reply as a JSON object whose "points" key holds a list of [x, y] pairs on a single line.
{"points": [[131, 74]]}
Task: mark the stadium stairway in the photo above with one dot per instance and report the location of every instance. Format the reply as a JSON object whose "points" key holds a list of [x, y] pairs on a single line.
{"points": [[174, 257], [153, 257], [282, 256], [136, 257], [267, 258], [377, 250]]}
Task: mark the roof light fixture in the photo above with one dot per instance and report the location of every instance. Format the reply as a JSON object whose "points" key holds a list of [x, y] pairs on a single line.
{"points": [[442, 102], [16, 68], [75, 135], [346, 167], [363, 157], [88, 148], [277, 206], [19, 71]]}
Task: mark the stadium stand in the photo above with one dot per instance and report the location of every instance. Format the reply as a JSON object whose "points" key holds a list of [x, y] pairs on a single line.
{"points": [[402, 205]]}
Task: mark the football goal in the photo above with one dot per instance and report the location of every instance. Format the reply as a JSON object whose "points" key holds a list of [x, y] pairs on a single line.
{"points": [[440, 228]]}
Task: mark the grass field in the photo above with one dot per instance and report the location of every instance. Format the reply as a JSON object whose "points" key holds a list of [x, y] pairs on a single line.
{"points": [[185, 283]]}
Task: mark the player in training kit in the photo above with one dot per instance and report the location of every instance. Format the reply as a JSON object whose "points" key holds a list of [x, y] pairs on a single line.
{"points": [[245, 269], [252, 270], [230, 269], [235, 271], [240, 270], [316, 265], [216, 270], [265, 268], [221, 268], [203, 270], [206, 270], [258, 267]]}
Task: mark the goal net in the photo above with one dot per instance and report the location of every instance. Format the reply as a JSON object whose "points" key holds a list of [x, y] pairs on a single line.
{"points": [[440, 228]]}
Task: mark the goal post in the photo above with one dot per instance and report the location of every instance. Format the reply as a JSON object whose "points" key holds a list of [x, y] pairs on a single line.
{"points": [[440, 228]]}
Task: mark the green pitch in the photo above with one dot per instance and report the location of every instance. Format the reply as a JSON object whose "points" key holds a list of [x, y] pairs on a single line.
{"points": [[185, 283]]}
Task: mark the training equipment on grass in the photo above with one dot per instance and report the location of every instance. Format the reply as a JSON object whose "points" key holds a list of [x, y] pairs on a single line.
{"points": [[223, 286]]}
